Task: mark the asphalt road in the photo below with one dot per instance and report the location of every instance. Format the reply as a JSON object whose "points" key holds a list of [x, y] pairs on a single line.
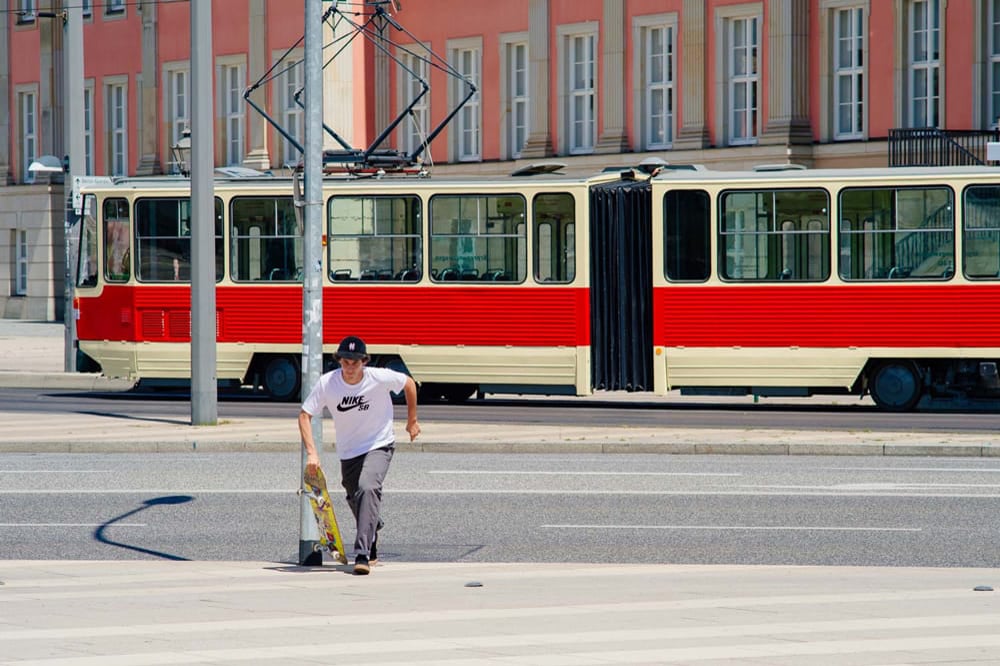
{"points": [[516, 508], [612, 410]]}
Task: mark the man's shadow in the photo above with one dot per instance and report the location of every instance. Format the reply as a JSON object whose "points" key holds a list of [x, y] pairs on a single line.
{"points": [[99, 533]]}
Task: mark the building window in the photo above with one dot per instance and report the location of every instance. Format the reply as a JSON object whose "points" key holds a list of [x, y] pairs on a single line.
{"points": [[233, 81], [848, 73], [87, 8], [178, 101], [21, 265], [466, 62], [114, 7], [29, 133], [994, 63], [292, 117], [116, 95], [516, 112], [88, 130], [26, 11], [581, 89], [742, 65], [655, 58], [413, 80], [925, 63]]}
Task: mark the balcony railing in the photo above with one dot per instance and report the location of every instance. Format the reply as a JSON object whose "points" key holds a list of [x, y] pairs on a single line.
{"points": [[929, 146]]}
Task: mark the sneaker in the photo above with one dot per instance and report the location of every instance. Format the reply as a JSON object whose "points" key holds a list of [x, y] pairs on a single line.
{"points": [[373, 553], [361, 566]]}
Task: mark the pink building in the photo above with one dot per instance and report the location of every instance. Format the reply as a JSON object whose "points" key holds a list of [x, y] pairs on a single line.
{"points": [[592, 83]]}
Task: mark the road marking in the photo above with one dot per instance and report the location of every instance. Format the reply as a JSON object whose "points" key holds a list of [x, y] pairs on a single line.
{"points": [[111, 524], [55, 471], [560, 473], [768, 528], [913, 469]]}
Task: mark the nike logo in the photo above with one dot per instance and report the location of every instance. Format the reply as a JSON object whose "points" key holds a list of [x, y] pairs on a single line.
{"points": [[349, 402]]}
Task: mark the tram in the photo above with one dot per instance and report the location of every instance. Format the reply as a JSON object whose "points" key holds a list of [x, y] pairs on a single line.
{"points": [[772, 283]]}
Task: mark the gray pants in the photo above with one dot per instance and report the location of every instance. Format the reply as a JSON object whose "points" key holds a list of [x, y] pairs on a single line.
{"points": [[362, 478]]}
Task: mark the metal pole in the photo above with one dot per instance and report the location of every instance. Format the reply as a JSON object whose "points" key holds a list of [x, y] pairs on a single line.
{"points": [[76, 152], [312, 289], [204, 384]]}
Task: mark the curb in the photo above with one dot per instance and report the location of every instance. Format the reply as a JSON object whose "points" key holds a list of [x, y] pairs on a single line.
{"points": [[666, 448], [63, 380]]}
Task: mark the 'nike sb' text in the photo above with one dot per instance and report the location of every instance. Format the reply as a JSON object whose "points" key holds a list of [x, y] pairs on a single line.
{"points": [[349, 402]]}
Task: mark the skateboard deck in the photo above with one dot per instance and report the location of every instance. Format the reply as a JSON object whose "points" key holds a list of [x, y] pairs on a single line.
{"points": [[330, 540]]}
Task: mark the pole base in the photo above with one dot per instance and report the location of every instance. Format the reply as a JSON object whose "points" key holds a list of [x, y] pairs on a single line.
{"points": [[309, 554]]}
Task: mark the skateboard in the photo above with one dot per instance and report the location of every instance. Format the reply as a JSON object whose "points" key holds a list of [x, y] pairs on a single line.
{"points": [[314, 486]]}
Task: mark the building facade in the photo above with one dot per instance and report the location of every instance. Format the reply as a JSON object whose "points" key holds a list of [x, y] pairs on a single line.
{"points": [[592, 83]]}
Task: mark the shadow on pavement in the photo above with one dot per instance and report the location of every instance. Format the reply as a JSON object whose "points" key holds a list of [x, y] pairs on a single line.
{"points": [[99, 533]]}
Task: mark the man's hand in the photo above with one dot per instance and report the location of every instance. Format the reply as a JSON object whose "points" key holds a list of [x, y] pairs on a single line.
{"points": [[312, 464], [413, 428]]}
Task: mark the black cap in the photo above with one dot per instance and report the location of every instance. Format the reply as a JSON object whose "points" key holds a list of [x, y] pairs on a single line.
{"points": [[352, 348]]}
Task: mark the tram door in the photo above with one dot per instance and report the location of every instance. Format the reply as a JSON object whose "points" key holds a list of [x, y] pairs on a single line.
{"points": [[621, 303]]}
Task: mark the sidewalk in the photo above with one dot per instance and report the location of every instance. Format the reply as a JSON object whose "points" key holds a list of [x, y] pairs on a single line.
{"points": [[134, 613], [31, 355]]}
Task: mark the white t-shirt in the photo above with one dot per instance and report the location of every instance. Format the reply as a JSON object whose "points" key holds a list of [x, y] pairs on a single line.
{"points": [[362, 412]]}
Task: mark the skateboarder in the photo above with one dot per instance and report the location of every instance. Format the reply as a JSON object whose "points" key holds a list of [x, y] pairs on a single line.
{"points": [[359, 399]]}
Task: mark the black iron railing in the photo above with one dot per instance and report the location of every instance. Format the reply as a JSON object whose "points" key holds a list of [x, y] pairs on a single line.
{"points": [[929, 146]]}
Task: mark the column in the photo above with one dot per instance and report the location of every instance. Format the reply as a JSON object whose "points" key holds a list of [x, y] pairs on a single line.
{"points": [[612, 137], [257, 58], [6, 119], [539, 143], [148, 129], [50, 72], [693, 131], [787, 119]]}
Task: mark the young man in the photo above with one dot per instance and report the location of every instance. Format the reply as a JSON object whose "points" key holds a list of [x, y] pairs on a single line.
{"points": [[360, 401]]}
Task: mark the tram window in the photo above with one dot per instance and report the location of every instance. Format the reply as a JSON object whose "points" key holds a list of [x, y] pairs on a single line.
{"points": [[686, 235], [775, 235], [554, 220], [266, 240], [117, 236], [375, 238], [87, 266], [478, 238], [897, 233], [163, 239], [981, 232]]}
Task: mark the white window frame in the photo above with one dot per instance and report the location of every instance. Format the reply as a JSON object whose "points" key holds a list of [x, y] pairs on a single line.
{"points": [[655, 95], [290, 115], [26, 11], [88, 128], [578, 96], [176, 101], [116, 122], [850, 73], [924, 64], [232, 82], [27, 122], [466, 57], [21, 253], [993, 61], [413, 130], [743, 52], [515, 90]]}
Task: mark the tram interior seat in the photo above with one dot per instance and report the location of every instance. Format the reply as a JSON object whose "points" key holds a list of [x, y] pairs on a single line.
{"points": [[409, 275], [369, 274], [448, 275], [276, 274], [341, 274], [385, 274], [785, 274], [898, 273], [469, 274], [493, 275]]}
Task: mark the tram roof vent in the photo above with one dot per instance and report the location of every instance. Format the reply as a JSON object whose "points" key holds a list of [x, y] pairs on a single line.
{"points": [[780, 167], [539, 169]]}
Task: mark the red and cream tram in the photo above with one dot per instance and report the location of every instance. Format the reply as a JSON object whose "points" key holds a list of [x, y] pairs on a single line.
{"points": [[797, 282]]}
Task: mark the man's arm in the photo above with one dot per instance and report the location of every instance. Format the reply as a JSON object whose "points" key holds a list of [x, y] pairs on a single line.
{"points": [[410, 392], [305, 430]]}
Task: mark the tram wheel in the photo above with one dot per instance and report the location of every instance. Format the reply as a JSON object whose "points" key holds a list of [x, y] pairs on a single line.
{"points": [[896, 386], [281, 378]]}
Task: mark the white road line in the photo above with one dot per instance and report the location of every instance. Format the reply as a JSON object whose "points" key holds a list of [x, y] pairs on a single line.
{"points": [[55, 471], [913, 469], [73, 525], [767, 528], [558, 473]]}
